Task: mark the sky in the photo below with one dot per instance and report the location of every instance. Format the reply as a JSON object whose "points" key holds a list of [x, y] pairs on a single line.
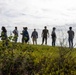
{"points": [[37, 13]]}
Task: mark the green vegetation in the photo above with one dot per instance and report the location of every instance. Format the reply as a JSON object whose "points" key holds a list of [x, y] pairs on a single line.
{"points": [[25, 59]]}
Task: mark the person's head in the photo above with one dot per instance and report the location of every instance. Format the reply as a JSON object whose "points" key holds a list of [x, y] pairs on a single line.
{"points": [[34, 29], [16, 28], [70, 28], [45, 27], [4, 29], [54, 28], [25, 28]]}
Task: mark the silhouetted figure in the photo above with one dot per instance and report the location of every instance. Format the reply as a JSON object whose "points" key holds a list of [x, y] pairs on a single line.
{"points": [[45, 34], [4, 36], [15, 32], [22, 35], [25, 35], [34, 36], [70, 37], [53, 34]]}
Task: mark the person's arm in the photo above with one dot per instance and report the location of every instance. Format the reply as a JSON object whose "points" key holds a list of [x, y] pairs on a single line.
{"points": [[51, 33], [37, 34], [73, 34], [13, 31], [55, 35], [17, 33], [67, 31], [31, 35], [28, 36], [1, 35]]}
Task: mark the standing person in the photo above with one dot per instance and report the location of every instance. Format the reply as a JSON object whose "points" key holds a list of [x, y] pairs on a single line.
{"points": [[45, 34], [4, 36], [34, 36], [70, 37], [15, 32], [22, 35], [53, 35], [25, 35]]}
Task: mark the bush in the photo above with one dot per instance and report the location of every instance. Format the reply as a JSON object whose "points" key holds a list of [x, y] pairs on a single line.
{"points": [[25, 59]]}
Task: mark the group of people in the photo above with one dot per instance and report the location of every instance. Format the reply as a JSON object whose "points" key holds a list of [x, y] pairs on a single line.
{"points": [[34, 35], [45, 35]]}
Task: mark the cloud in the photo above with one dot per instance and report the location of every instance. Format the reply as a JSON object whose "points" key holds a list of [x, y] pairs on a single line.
{"points": [[37, 12]]}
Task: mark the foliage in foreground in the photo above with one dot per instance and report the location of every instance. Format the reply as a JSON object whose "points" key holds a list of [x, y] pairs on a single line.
{"points": [[24, 59]]}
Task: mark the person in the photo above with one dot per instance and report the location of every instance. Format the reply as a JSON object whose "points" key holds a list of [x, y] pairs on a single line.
{"points": [[15, 32], [4, 36], [45, 34], [53, 35], [25, 35], [70, 37], [34, 36], [22, 35]]}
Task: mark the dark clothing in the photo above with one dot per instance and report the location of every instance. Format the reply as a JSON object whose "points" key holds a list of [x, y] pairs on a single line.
{"points": [[44, 33], [44, 36], [15, 32], [3, 35], [53, 34], [53, 38], [44, 39], [4, 38], [15, 35], [34, 37], [34, 34], [70, 43], [70, 34], [25, 36], [70, 38], [53, 41]]}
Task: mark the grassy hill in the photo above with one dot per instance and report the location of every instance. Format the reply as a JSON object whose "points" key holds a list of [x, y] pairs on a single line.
{"points": [[25, 59]]}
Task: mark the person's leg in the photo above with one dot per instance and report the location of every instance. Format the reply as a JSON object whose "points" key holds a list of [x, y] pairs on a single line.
{"points": [[15, 40], [6, 42], [69, 43], [45, 41], [72, 43], [42, 40], [36, 41], [22, 39], [33, 40], [27, 40], [52, 41]]}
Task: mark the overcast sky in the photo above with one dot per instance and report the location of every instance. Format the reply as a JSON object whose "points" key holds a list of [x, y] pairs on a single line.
{"points": [[36, 13]]}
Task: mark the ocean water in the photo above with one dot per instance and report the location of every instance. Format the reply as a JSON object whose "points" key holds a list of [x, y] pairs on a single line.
{"points": [[62, 37]]}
